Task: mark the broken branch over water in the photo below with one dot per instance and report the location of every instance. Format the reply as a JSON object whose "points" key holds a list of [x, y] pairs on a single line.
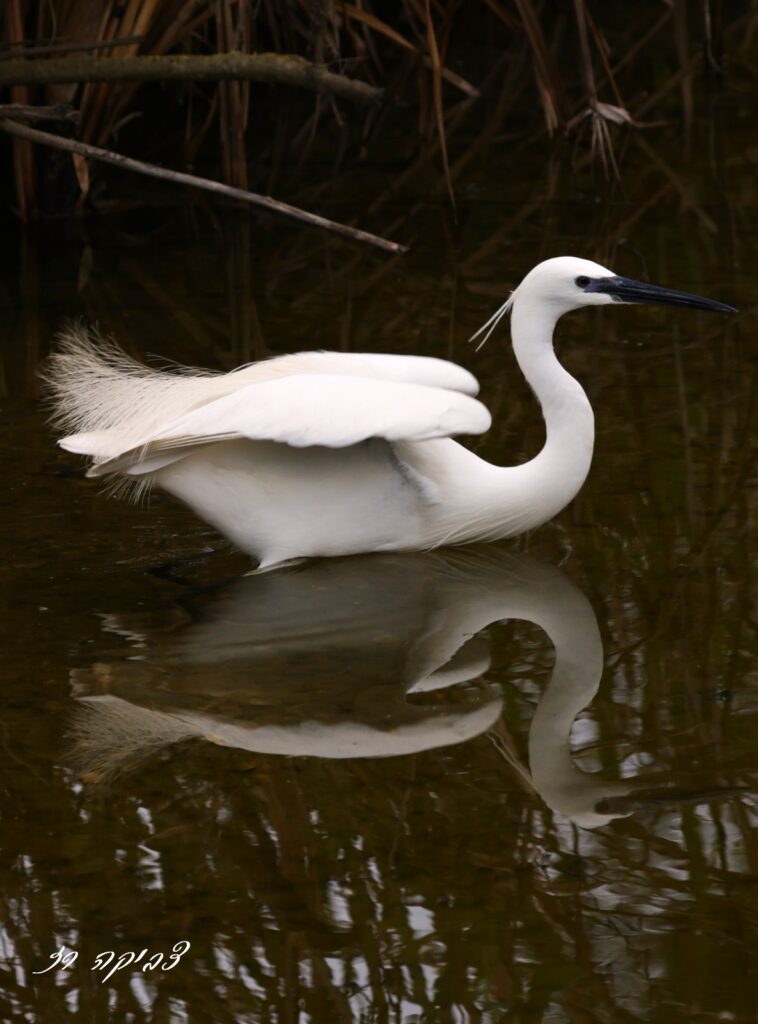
{"points": [[180, 178], [274, 68]]}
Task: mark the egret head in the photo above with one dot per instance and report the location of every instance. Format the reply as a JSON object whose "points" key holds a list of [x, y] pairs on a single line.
{"points": [[563, 283]]}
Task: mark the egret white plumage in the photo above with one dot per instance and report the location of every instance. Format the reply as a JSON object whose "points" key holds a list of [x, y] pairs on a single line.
{"points": [[332, 453]]}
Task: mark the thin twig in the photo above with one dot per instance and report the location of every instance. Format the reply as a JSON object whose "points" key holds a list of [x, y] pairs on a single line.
{"points": [[275, 68], [431, 42], [367, 18], [25, 112], [180, 178]]}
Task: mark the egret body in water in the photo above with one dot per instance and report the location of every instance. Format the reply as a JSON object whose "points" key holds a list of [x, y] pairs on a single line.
{"points": [[336, 453]]}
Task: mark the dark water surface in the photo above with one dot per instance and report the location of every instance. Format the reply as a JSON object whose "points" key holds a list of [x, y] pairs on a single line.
{"points": [[507, 783]]}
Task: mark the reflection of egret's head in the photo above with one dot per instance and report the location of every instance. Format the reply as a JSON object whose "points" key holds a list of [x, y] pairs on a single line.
{"points": [[343, 643]]}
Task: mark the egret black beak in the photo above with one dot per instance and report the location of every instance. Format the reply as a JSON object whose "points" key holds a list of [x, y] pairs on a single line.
{"points": [[623, 289]]}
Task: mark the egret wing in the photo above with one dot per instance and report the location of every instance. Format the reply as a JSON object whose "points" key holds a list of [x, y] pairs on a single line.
{"points": [[302, 411], [406, 369]]}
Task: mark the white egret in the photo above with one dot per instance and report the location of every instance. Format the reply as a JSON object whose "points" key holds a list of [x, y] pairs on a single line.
{"points": [[332, 453]]}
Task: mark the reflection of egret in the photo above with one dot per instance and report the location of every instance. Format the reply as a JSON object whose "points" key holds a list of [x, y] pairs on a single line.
{"points": [[329, 453], [319, 662]]}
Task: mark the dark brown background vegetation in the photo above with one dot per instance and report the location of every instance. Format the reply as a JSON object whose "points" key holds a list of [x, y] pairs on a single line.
{"points": [[576, 76]]}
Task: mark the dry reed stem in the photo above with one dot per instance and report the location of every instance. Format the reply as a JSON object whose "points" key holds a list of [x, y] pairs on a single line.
{"points": [[549, 84], [23, 158], [437, 83], [351, 11], [19, 50]]}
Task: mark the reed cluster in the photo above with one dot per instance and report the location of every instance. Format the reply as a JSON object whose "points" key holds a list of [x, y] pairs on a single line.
{"points": [[549, 68]]}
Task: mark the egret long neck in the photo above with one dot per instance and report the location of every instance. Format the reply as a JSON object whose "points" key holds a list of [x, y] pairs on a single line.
{"points": [[561, 467]]}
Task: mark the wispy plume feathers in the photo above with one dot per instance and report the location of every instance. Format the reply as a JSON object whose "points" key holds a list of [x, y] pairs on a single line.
{"points": [[492, 323]]}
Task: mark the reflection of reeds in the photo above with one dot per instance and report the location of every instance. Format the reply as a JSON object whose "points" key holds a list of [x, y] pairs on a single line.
{"points": [[573, 60]]}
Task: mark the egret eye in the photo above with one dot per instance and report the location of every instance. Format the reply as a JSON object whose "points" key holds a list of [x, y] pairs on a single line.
{"points": [[581, 282]]}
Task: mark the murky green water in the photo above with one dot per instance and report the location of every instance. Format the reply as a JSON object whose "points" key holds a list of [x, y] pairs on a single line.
{"points": [[367, 789]]}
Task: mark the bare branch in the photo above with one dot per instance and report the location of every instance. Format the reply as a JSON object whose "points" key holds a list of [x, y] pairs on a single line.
{"points": [[274, 68], [180, 178]]}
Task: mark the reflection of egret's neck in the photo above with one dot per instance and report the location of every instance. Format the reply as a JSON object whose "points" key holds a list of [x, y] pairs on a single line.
{"points": [[569, 621], [535, 592]]}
